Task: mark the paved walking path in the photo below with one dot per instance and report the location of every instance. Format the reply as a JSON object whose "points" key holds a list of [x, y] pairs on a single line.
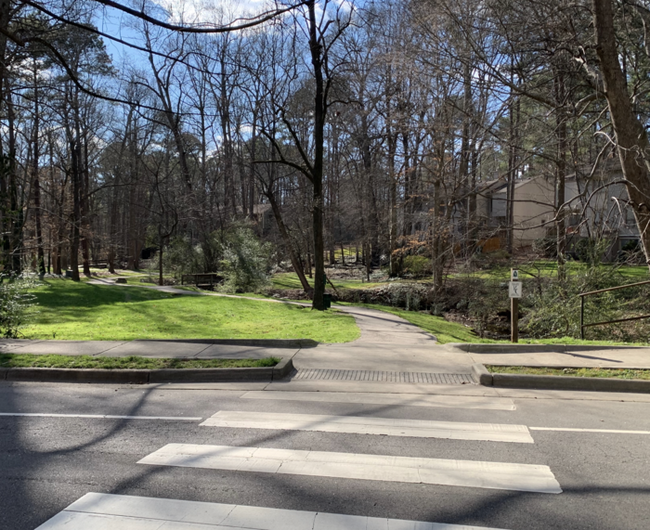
{"points": [[387, 343], [561, 356], [390, 349]]}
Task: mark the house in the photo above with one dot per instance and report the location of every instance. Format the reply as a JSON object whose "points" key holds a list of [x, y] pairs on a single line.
{"points": [[599, 208], [533, 209], [596, 208], [262, 216]]}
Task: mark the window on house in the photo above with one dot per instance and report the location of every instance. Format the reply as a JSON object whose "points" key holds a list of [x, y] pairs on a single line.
{"points": [[574, 219]]}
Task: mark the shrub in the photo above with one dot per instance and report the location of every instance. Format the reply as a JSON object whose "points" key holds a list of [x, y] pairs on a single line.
{"points": [[546, 246], [553, 306], [482, 301], [14, 302], [590, 251], [631, 253], [246, 263], [417, 266]]}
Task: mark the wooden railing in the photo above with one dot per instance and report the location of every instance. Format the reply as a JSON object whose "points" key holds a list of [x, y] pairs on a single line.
{"points": [[582, 308]]}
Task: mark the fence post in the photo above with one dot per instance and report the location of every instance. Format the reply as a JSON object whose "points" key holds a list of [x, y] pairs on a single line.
{"points": [[582, 317]]}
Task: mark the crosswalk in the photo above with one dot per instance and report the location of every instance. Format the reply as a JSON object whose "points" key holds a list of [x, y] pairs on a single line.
{"points": [[101, 511], [96, 511], [450, 430]]}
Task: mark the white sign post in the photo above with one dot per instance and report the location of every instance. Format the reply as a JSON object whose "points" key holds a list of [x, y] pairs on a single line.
{"points": [[515, 292]]}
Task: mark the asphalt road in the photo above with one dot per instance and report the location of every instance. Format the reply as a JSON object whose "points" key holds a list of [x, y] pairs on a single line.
{"points": [[56, 445]]}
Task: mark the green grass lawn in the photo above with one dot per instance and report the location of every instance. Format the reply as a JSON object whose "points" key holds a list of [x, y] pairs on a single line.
{"points": [[443, 330], [25, 360], [77, 311], [548, 268], [289, 280], [617, 373], [636, 273], [545, 268]]}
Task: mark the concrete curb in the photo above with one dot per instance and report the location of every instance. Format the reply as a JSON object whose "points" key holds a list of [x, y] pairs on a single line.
{"points": [[529, 348], [283, 368], [481, 375], [260, 343], [202, 375], [558, 382], [81, 375]]}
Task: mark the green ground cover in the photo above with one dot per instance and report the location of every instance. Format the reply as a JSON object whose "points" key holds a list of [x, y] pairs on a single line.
{"points": [[543, 268], [78, 311], [548, 269], [443, 330], [24, 360], [571, 341], [446, 331], [289, 280], [616, 373]]}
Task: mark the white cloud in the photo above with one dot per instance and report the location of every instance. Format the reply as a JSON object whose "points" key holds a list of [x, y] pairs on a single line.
{"points": [[213, 11], [225, 11]]}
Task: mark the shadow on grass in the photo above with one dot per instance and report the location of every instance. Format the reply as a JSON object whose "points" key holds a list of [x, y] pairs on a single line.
{"points": [[62, 294], [68, 310]]}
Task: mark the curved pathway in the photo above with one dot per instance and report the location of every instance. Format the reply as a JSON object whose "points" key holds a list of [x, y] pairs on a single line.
{"points": [[377, 327], [388, 344]]}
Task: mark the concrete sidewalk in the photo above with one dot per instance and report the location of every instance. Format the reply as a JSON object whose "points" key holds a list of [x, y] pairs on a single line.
{"points": [[389, 350], [173, 349], [556, 356]]}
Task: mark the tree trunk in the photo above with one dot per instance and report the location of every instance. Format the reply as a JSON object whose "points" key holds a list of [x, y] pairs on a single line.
{"points": [[437, 239], [512, 175], [631, 137], [560, 214], [284, 233], [76, 212], [317, 173], [37, 185], [15, 208], [85, 209]]}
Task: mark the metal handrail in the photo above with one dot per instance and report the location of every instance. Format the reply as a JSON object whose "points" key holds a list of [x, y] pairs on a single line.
{"points": [[589, 293]]}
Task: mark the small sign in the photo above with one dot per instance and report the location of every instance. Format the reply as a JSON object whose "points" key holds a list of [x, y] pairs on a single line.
{"points": [[514, 289], [514, 275]]}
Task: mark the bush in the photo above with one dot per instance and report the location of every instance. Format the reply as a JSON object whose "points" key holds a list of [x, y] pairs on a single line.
{"points": [[631, 253], [246, 263], [589, 251], [236, 253], [417, 266], [553, 307], [14, 302], [482, 301], [182, 257], [546, 246], [410, 296], [489, 260]]}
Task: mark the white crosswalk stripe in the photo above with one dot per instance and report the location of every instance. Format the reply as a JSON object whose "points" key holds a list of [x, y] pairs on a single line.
{"points": [[478, 474], [98, 511], [403, 400], [371, 425]]}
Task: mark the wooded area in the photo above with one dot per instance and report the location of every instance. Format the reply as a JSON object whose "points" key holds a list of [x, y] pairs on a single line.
{"points": [[323, 126]]}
